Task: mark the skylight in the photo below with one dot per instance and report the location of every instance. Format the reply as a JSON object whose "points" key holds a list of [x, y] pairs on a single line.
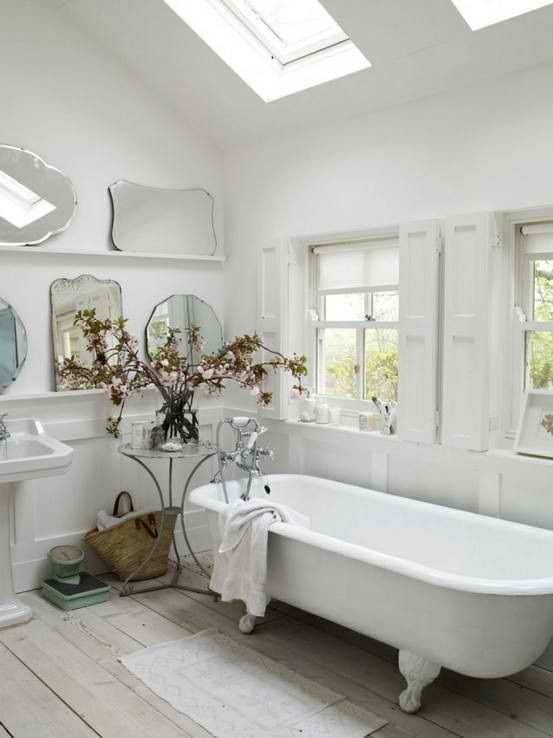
{"points": [[482, 13], [19, 205], [278, 47]]}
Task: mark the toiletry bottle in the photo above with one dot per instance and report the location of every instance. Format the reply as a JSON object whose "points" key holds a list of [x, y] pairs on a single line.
{"points": [[322, 412]]}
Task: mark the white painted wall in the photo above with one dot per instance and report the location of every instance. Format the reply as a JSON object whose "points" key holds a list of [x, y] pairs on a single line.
{"points": [[74, 104], [480, 149]]}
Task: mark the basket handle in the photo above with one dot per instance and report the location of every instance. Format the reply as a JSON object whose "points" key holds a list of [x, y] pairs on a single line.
{"points": [[122, 494], [152, 521]]}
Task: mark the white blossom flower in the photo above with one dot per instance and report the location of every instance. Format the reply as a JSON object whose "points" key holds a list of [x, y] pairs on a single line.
{"points": [[208, 373], [255, 391]]}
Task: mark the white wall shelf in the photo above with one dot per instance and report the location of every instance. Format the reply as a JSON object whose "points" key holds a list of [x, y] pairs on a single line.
{"points": [[113, 254]]}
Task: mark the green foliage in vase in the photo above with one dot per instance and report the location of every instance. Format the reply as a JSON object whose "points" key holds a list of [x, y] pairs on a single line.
{"points": [[118, 368]]}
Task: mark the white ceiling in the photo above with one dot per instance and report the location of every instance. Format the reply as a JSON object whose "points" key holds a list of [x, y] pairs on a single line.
{"points": [[417, 48]]}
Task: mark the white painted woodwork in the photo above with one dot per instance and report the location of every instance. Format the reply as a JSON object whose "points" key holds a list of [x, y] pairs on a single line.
{"points": [[419, 245], [273, 279], [465, 398], [58, 510]]}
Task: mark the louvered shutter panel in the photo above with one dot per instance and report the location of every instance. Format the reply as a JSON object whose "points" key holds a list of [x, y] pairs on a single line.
{"points": [[419, 247], [272, 318], [465, 417]]}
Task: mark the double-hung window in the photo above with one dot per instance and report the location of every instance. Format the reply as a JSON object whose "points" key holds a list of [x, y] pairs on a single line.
{"points": [[535, 288], [354, 319]]}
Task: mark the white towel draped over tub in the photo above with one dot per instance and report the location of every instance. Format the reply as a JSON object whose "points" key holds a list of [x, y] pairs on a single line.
{"points": [[240, 571]]}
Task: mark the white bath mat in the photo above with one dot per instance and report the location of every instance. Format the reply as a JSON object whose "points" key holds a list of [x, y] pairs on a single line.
{"points": [[235, 692]]}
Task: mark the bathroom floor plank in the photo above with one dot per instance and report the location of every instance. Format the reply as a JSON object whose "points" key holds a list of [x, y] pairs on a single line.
{"points": [[536, 679], [28, 707], [178, 607], [466, 716], [84, 628], [105, 703], [527, 697], [100, 640]]}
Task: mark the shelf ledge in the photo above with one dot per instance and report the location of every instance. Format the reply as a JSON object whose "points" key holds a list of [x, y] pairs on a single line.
{"points": [[114, 254]]}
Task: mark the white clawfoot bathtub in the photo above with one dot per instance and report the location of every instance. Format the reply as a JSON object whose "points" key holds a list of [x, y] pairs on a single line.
{"points": [[446, 587]]}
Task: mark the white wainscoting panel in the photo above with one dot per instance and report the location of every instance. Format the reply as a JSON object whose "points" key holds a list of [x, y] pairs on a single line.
{"points": [[56, 510]]}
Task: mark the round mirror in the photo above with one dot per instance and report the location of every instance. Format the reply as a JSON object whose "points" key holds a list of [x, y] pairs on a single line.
{"points": [[13, 345], [36, 199], [184, 313]]}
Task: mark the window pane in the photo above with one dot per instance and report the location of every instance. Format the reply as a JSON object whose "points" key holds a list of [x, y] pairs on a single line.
{"points": [[543, 290], [385, 306], [539, 359], [345, 307], [381, 362], [337, 362]]}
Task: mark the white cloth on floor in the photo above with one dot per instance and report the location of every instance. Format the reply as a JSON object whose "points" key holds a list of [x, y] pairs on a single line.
{"points": [[240, 570]]}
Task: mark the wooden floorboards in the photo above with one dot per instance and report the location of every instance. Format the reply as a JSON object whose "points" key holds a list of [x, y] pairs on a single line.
{"points": [[61, 677]]}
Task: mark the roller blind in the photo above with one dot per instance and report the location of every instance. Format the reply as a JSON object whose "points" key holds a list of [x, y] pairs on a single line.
{"points": [[359, 265]]}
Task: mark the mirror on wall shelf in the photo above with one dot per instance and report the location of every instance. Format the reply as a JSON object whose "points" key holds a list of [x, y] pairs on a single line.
{"points": [[67, 297], [162, 221], [184, 313], [36, 199], [13, 345]]}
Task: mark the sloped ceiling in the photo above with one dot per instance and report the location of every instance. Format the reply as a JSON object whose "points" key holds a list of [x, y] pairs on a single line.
{"points": [[417, 48]]}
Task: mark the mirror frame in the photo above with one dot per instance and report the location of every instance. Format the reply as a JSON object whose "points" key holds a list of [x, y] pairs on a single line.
{"points": [[39, 241], [25, 340], [67, 281], [166, 299], [112, 191]]}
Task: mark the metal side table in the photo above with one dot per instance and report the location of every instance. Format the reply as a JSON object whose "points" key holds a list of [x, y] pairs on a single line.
{"points": [[199, 453]]}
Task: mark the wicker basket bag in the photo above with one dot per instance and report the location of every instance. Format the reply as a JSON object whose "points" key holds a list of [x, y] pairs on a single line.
{"points": [[125, 546]]}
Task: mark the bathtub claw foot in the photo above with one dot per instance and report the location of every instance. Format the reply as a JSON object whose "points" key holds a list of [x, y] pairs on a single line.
{"points": [[247, 623], [418, 674]]}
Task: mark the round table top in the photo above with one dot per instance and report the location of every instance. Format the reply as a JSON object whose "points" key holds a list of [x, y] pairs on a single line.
{"points": [[188, 451]]}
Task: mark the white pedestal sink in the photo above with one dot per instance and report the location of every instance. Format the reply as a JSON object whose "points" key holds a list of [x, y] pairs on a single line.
{"points": [[27, 454]]}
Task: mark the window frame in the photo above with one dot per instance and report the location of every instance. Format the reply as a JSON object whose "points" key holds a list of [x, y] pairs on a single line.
{"points": [[315, 302], [253, 21], [514, 297]]}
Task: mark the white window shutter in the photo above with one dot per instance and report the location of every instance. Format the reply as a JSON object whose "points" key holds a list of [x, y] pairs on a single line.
{"points": [[272, 319], [465, 417], [419, 247]]}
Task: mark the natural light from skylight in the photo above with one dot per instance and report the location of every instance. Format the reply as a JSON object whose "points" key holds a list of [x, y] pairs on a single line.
{"points": [[19, 205], [278, 47], [482, 13]]}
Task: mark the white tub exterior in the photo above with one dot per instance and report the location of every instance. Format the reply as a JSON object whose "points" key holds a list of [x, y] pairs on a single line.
{"points": [[472, 593]]}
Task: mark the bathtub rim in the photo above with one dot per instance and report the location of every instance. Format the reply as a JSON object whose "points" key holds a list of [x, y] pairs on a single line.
{"points": [[475, 585]]}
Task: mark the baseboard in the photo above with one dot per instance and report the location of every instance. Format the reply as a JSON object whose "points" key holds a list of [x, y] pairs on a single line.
{"points": [[30, 574]]}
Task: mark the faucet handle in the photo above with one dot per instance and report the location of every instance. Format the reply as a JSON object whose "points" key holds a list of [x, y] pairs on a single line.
{"points": [[269, 453]]}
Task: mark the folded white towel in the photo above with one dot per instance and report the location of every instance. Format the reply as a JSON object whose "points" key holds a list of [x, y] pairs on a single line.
{"points": [[105, 520], [240, 570]]}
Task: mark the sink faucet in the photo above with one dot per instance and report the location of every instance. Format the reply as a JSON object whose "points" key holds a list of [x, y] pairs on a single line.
{"points": [[4, 432]]}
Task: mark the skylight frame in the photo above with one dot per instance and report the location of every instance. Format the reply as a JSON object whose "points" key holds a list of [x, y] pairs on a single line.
{"points": [[479, 14], [231, 39], [267, 36]]}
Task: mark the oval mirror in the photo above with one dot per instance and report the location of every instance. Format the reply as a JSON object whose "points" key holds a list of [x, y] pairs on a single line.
{"points": [[184, 313], [36, 199], [13, 345], [67, 297], [155, 220]]}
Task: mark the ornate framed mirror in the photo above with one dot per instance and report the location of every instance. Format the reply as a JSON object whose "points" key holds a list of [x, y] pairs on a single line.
{"points": [[13, 345], [67, 298], [164, 221], [36, 199], [184, 313]]}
